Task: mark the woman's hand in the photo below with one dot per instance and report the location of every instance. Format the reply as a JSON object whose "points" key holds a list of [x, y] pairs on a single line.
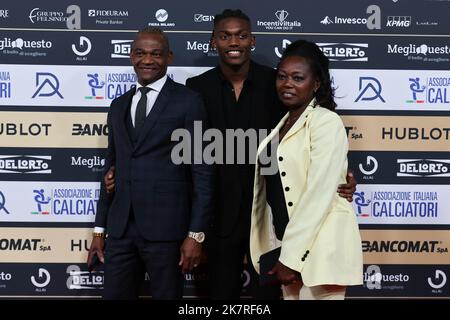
{"points": [[285, 274]]}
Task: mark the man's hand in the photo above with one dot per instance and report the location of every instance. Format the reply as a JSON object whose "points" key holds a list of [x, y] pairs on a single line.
{"points": [[97, 247], [285, 274], [110, 180], [191, 252], [347, 190]]}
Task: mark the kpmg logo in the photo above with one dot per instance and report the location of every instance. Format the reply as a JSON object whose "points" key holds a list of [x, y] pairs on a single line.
{"points": [[83, 49], [47, 85], [345, 51], [282, 23], [109, 85], [42, 202], [25, 164], [200, 17], [369, 89], [121, 48], [373, 21], [370, 168], [423, 168], [38, 15], [361, 204], [161, 16], [398, 21], [83, 279], [5, 85], [421, 52], [3, 203], [433, 90]]}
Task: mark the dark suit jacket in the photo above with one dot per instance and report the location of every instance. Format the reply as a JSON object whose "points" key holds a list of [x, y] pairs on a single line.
{"points": [[234, 188], [168, 200]]}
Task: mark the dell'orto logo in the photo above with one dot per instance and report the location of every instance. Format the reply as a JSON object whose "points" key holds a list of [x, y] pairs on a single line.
{"points": [[25, 164], [369, 89], [344, 51], [121, 48], [371, 166], [3, 203], [47, 85], [83, 279], [439, 280], [42, 280], [423, 168], [84, 47]]}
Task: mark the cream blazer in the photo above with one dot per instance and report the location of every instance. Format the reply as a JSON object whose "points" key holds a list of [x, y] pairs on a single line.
{"points": [[322, 239]]}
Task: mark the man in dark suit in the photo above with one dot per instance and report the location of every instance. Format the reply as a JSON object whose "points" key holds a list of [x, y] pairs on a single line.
{"points": [[157, 216], [238, 94]]}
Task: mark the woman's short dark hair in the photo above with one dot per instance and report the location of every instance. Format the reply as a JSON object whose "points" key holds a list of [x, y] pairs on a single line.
{"points": [[319, 65]]}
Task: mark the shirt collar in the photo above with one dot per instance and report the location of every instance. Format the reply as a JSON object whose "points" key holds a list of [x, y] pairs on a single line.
{"points": [[156, 85], [248, 80]]}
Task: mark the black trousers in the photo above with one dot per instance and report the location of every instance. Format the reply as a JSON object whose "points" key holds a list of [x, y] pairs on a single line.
{"points": [[226, 265], [127, 259]]}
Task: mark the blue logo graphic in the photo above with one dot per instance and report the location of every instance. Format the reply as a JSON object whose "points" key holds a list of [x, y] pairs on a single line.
{"points": [[95, 84], [2, 203], [369, 89], [49, 81], [361, 202], [40, 200], [415, 89]]}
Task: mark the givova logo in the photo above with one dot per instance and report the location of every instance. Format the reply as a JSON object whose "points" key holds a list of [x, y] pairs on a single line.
{"points": [[423, 168], [25, 164], [431, 90], [375, 279]]}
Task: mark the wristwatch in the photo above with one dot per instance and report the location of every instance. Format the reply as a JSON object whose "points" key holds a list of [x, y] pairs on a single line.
{"points": [[197, 236]]}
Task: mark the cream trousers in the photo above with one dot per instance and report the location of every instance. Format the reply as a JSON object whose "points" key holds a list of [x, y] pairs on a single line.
{"points": [[294, 292]]}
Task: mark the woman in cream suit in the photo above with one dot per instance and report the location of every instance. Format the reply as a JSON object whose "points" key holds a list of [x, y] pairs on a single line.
{"points": [[297, 208]]}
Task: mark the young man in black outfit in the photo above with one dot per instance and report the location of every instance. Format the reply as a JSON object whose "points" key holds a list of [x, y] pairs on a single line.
{"points": [[238, 94]]}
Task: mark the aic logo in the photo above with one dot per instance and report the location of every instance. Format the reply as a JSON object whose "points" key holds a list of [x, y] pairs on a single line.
{"points": [[41, 200], [361, 203], [369, 89], [434, 91], [439, 280], [372, 166], [43, 279]]}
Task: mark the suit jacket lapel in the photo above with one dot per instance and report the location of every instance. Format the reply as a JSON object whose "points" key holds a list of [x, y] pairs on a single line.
{"points": [[123, 116], [300, 122], [160, 104]]}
